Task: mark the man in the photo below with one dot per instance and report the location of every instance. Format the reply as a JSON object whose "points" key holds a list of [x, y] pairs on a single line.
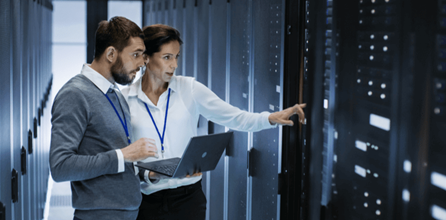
{"points": [[91, 128]]}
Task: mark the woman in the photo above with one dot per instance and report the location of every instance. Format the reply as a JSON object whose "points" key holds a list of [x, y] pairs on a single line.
{"points": [[166, 108]]}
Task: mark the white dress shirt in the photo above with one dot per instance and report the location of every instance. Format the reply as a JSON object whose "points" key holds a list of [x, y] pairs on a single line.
{"points": [[104, 85], [188, 100]]}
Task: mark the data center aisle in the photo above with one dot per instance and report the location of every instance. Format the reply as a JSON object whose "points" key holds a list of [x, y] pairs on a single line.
{"points": [[59, 201]]}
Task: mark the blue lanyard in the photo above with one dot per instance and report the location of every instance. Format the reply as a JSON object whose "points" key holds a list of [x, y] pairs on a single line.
{"points": [[124, 123], [165, 120]]}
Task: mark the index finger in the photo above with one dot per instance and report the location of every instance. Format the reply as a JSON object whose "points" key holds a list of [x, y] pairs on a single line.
{"points": [[299, 107], [302, 118]]}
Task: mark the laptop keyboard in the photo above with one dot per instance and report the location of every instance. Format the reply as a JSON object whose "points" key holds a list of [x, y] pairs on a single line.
{"points": [[167, 169]]}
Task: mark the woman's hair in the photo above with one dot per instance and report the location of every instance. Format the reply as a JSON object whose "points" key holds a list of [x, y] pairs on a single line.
{"points": [[157, 35], [117, 33]]}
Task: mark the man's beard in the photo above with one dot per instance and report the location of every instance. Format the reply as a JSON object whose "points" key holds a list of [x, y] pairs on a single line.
{"points": [[120, 75]]}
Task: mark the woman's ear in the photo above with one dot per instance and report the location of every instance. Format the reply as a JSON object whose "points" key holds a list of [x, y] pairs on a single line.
{"points": [[146, 59], [111, 54]]}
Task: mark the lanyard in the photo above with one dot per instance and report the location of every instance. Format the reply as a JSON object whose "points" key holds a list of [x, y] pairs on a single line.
{"points": [[124, 123], [165, 120]]}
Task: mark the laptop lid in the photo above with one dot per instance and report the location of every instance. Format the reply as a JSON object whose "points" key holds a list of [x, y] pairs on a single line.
{"points": [[202, 153]]}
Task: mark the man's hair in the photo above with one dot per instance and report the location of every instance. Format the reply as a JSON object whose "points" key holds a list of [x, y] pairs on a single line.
{"points": [[117, 33], [157, 35]]}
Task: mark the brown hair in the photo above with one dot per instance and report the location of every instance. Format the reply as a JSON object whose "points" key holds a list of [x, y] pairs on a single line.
{"points": [[116, 33], [157, 35]]}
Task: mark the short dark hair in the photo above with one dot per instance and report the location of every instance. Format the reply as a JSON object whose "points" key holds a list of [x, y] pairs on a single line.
{"points": [[117, 33], [157, 35]]}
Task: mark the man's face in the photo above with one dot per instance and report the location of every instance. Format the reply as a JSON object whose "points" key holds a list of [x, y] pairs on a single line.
{"points": [[129, 60]]}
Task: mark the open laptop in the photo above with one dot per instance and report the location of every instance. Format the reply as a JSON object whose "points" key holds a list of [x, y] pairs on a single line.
{"points": [[201, 154]]}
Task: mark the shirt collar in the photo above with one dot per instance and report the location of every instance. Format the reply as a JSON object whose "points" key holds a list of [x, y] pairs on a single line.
{"points": [[97, 79], [136, 90]]}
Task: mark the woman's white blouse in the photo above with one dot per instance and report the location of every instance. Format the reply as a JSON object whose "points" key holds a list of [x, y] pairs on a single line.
{"points": [[188, 99]]}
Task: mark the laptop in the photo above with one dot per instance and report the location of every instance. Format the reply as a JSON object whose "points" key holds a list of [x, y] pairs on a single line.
{"points": [[201, 154]]}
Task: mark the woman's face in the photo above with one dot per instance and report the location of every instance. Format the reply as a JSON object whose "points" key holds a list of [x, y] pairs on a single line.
{"points": [[162, 64]]}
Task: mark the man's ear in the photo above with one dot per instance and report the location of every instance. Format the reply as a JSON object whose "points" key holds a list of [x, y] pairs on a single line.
{"points": [[111, 54]]}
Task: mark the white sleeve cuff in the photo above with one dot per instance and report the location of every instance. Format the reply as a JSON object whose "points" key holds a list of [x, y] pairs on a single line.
{"points": [[266, 124], [121, 167], [146, 176], [136, 169]]}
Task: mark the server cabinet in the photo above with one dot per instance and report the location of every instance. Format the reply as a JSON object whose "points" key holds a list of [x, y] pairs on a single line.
{"points": [[422, 189], [218, 82], [360, 87], [161, 12], [294, 172], [314, 65], [16, 96], [36, 94], [189, 39], [5, 117], [166, 13], [380, 63], [147, 12], [370, 136], [25, 46], [267, 49], [180, 24], [220, 39], [25, 117], [201, 39], [201, 60], [169, 6], [239, 94], [33, 109]]}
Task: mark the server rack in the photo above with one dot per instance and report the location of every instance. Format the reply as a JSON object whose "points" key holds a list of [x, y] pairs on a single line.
{"points": [[361, 83], [421, 192], [218, 81], [25, 86], [378, 73], [235, 48], [294, 175], [316, 75]]}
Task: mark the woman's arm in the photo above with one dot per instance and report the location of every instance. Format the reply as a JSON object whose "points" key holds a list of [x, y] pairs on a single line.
{"points": [[213, 108]]}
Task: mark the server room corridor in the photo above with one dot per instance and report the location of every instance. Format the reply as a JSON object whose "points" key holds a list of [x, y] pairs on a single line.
{"points": [[371, 72]]}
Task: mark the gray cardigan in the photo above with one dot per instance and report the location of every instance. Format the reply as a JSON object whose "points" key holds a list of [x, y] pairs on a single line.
{"points": [[85, 135]]}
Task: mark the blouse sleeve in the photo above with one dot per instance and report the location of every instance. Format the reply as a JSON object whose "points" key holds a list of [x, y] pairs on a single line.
{"points": [[213, 108]]}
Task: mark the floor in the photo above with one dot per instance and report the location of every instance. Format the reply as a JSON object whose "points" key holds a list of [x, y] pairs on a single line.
{"points": [[58, 206]]}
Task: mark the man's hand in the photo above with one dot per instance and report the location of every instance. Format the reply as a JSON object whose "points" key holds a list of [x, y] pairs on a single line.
{"points": [[156, 177], [140, 150], [283, 117]]}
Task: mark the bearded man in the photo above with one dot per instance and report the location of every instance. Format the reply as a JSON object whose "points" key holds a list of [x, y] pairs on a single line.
{"points": [[91, 128]]}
